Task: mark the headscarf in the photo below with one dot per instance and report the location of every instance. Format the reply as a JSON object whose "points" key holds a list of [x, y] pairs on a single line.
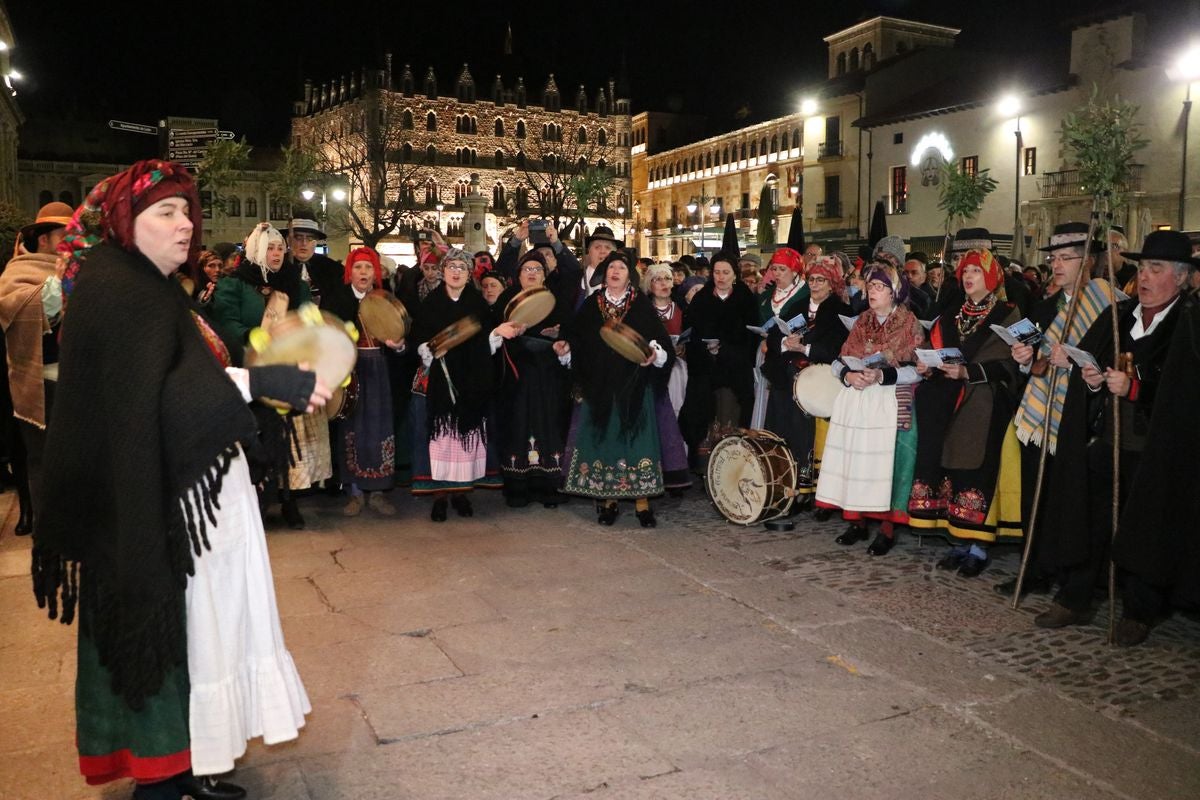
{"points": [[258, 242], [114, 203], [890, 276], [789, 258], [993, 276], [830, 268], [456, 254], [363, 254]]}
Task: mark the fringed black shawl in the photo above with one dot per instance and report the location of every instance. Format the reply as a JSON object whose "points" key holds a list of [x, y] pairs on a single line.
{"points": [[145, 424], [470, 365]]}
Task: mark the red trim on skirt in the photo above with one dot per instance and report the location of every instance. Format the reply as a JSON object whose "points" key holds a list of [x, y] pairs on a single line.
{"points": [[894, 517], [124, 764]]}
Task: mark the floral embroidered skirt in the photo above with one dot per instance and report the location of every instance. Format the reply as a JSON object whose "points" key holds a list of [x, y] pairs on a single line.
{"points": [[609, 464], [368, 436]]}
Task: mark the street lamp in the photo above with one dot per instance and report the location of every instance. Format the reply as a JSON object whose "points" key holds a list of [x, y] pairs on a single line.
{"points": [[1009, 107], [308, 194], [808, 107], [1187, 69], [696, 206], [440, 207]]}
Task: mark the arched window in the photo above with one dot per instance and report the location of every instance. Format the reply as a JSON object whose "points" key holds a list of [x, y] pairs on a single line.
{"points": [[520, 129], [252, 208], [868, 55], [430, 155], [762, 148], [498, 198], [581, 164], [796, 138], [754, 149], [233, 206], [901, 47], [431, 121], [743, 157], [474, 123], [521, 159], [601, 164], [45, 196], [499, 159], [460, 191], [406, 152], [854, 59], [774, 144], [431, 192], [602, 137], [407, 120], [66, 197], [499, 127], [841, 64]]}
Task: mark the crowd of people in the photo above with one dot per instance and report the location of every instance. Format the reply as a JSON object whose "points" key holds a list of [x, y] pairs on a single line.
{"points": [[956, 384]]}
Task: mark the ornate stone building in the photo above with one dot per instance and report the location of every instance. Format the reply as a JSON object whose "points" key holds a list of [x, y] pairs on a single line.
{"points": [[402, 133]]}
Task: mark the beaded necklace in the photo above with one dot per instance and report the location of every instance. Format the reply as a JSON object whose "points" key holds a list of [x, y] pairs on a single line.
{"points": [[614, 311], [971, 314]]}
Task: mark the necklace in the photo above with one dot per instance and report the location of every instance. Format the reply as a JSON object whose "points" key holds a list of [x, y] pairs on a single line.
{"points": [[614, 310], [971, 314], [665, 312]]}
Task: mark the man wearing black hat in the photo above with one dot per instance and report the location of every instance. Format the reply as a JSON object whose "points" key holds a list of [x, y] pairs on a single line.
{"points": [[1078, 524], [322, 274], [30, 314], [1070, 258], [597, 246]]}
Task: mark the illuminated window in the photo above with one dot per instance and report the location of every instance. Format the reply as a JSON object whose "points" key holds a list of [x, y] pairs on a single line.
{"points": [[969, 165], [899, 194], [1031, 161]]}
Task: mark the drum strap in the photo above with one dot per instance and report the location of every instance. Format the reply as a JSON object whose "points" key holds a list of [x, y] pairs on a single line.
{"points": [[449, 383]]}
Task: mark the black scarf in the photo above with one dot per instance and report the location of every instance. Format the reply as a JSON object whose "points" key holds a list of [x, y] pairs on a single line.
{"points": [[470, 365], [606, 378], [145, 424], [286, 279]]}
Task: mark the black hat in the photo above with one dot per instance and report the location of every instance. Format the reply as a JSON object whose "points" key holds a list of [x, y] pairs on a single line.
{"points": [[1166, 246], [1070, 234], [917, 255], [603, 233], [225, 249], [971, 239]]}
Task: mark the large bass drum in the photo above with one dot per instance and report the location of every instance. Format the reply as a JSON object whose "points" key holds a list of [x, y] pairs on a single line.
{"points": [[816, 389], [752, 477]]}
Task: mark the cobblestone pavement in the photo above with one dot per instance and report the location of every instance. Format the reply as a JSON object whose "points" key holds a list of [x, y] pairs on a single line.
{"points": [[534, 654]]}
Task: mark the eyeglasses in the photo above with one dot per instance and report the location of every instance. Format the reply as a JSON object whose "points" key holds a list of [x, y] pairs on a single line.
{"points": [[455, 267], [303, 238], [531, 269]]}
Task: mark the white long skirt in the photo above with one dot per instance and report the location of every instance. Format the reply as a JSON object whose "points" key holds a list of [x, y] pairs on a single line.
{"points": [[243, 681], [856, 468]]}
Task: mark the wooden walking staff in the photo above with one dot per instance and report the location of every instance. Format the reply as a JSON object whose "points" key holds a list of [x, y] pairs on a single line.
{"points": [[1080, 281], [1116, 421]]}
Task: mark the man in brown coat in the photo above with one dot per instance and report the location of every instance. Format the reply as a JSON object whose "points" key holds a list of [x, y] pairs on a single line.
{"points": [[30, 310]]}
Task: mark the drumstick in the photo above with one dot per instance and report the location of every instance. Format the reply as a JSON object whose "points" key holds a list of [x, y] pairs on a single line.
{"points": [[449, 383]]}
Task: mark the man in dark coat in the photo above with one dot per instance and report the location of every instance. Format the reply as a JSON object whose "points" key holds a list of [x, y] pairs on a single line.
{"points": [[563, 272], [322, 274], [1075, 544]]}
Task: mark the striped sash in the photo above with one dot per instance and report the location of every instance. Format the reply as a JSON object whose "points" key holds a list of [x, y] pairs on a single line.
{"points": [[1031, 414]]}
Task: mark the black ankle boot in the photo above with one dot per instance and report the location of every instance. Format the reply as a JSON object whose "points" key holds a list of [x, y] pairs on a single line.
{"points": [[207, 788], [291, 513], [24, 522], [438, 513], [462, 504]]}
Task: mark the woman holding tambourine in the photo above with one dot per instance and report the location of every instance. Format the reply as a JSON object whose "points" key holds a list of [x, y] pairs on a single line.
{"points": [[613, 447]]}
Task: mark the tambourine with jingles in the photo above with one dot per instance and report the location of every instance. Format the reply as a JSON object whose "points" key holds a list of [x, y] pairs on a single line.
{"points": [[815, 390], [453, 335], [383, 316], [625, 341], [345, 398], [530, 306], [306, 336]]}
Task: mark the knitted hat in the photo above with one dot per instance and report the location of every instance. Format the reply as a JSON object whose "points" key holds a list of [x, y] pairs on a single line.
{"points": [[456, 254], [362, 254], [890, 248], [656, 271]]}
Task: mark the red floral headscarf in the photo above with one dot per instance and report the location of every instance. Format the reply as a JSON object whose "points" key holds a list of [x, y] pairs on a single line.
{"points": [[993, 276], [363, 254], [830, 268], [111, 207]]}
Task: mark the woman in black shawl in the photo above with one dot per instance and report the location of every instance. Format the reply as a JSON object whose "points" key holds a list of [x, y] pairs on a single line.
{"points": [[720, 356], [613, 447], [148, 524], [452, 392]]}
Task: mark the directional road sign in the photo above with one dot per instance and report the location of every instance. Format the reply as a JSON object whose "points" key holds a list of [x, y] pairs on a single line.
{"points": [[132, 127]]}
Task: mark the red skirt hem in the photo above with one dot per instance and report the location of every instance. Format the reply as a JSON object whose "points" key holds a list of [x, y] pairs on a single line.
{"points": [[124, 764]]}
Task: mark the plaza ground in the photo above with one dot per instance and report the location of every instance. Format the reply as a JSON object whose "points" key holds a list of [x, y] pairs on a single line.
{"points": [[533, 654]]}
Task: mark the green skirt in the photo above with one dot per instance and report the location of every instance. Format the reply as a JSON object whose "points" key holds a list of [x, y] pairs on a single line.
{"points": [[117, 742], [608, 464]]}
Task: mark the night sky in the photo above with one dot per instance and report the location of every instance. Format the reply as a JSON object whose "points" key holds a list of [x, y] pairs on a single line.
{"points": [[244, 62]]}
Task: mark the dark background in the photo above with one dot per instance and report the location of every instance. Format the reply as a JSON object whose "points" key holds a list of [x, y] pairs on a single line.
{"points": [[244, 63]]}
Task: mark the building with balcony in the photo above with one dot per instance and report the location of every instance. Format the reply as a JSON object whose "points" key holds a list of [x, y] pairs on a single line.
{"points": [[961, 118], [525, 149], [812, 158]]}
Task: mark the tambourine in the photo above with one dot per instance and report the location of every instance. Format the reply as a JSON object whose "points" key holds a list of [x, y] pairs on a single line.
{"points": [[529, 307], [627, 342], [345, 398], [383, 316], [453, 335], [307, 336]]}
